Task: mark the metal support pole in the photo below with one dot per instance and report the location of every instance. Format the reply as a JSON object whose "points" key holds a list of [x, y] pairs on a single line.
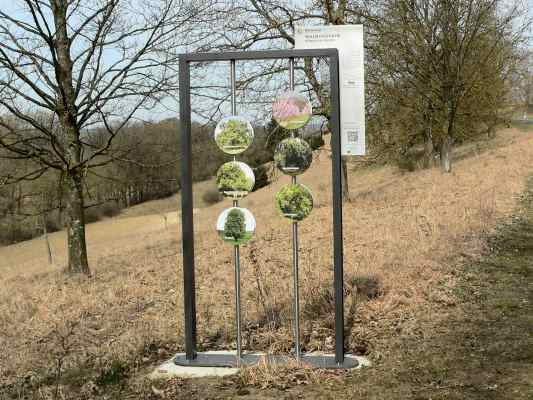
{"points": [[238, 303], [189, 289], [295, 263], [291, 73], [233, 77], [296, 289], [236, 256], [338, 268]]}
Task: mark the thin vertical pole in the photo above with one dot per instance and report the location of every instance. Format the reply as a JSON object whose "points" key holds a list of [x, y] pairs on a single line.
{"points": [[291, 74], [237, 260], [233, 77], [296, 289], [189, 295], [236, 256], [338, 268], [295, 261]]}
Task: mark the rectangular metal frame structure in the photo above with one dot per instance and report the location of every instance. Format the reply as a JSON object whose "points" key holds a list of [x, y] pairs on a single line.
{"points": [[189, 293]]}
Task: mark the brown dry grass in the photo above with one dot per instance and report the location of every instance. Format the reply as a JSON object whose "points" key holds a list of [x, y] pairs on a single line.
{"points": [[403, 235]]}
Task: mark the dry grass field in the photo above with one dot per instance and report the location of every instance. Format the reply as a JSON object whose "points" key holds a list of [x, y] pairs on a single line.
{"points": [[404, 236]]}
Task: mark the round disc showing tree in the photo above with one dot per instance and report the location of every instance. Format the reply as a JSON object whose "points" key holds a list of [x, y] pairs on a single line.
{"points": [[235, 179], [293, 156], [292, 110], [294, 201], [236, 225], [234, 134]]}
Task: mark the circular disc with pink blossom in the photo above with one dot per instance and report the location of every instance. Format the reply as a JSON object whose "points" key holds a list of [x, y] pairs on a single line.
{"points": [[292, 110]]}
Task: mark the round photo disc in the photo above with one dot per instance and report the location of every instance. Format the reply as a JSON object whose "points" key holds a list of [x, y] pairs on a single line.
{"points": [[292, 110], [235, 179], [293, 156], [294, 201], [234, 134], [236, 225]]}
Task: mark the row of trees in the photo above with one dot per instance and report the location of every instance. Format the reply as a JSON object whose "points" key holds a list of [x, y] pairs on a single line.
{"points": [[33, 207], [75, 74]]}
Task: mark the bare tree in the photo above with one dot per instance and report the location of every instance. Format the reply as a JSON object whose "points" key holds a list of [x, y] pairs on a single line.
{"points": [[68, 66], [450, 59], [443, 61], [270, 24], [522, 83]]}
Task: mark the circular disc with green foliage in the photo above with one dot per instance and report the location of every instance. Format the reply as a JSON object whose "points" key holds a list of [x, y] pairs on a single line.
{"points": [[294, 201], [234, 134], [292, 111], [293, 156], [236, 225], [235, 179]]}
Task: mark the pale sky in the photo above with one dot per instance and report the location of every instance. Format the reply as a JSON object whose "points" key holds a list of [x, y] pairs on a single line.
{"points": [[169, 107]]}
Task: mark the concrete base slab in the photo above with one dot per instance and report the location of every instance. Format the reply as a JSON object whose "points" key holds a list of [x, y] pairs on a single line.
{"points": [[224, 363], [169, 369]]}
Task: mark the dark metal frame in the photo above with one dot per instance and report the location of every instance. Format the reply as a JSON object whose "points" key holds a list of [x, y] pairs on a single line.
{"points": [[189, 293]]}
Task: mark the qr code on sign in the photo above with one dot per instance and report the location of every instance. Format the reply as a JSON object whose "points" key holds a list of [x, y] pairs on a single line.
{"points": [[353, 136]]}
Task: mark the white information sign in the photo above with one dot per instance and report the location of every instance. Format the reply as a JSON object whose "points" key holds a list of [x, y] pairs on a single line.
{"points": [[348, 39]]}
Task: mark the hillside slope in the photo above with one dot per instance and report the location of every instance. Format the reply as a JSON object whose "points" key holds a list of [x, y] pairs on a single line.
{"points": [[483, 350], [404, 234]]}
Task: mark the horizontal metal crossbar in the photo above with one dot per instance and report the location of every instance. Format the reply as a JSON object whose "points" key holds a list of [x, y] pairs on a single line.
{"points": [[258, 55]]}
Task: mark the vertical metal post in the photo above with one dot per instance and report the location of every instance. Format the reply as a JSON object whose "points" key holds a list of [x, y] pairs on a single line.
{"points": [[295, 261], [291, 73], [338, 268], [189, 295], [296, 289], [236, 257], [233, 78], [237, 260]]}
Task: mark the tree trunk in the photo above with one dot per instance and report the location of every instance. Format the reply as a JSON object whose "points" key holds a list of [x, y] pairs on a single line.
{"points": [[67, 112], [77, 249], [429, 149], [429, 146], [446, 154], [491, 130]]}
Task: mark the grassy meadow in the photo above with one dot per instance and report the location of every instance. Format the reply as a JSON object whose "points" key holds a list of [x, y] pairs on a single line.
{"points": [[406, 234]]}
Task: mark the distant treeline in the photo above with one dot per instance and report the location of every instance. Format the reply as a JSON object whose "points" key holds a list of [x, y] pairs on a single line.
{"points": [[145, 166]]}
